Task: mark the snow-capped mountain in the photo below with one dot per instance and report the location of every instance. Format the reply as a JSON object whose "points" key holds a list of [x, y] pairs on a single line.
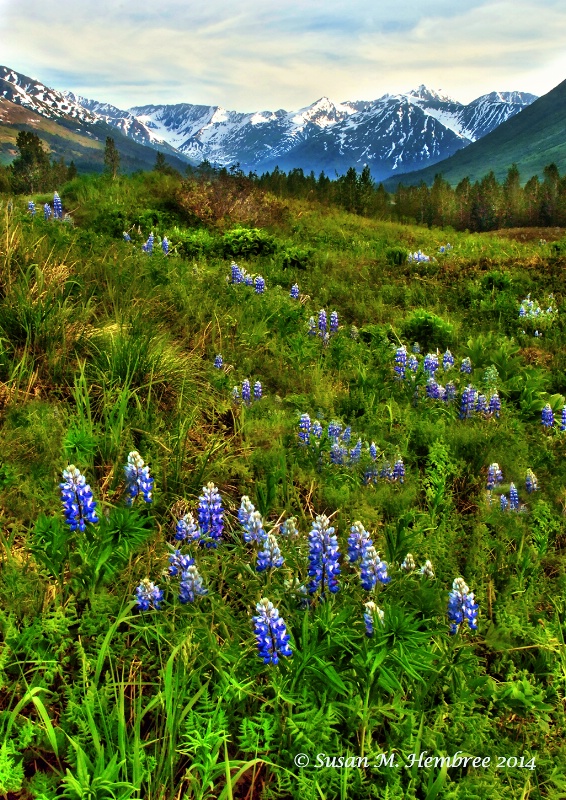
{"points": [[394, 134]]}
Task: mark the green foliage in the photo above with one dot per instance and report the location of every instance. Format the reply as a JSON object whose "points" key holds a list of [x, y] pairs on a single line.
{"points": [[248, 242], [428, 329], [396, 256]]}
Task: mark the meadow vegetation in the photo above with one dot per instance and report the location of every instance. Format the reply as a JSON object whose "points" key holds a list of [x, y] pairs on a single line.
{"points": [[107, 349]]}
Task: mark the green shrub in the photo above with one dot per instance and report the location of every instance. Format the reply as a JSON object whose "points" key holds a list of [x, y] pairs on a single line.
{"points": [[195, 243], [496, 280], [396, 255], [429, 330], [296, 257], [248, 242]]}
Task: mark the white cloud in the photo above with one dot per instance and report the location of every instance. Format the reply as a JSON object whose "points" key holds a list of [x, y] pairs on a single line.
{"points": [[250, 55]]}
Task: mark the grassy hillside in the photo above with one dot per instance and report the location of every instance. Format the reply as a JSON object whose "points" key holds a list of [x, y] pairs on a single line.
{"points": [[106, 349], [74, 141], [532, 140]]}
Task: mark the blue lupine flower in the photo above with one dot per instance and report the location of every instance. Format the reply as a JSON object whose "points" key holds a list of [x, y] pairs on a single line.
{"points": [[461, 606], [494, 404], [251, 521], [371, 614], [513, 498], [432, 389], [481, 404], [289, 527], [211, 514], [178, 563], [531, 482], [447, 360], [246, 392], [547, 417], [218, 362], [430, 363], [312, 327], [271, 633], [47, 211], [270, 557], [191, 585], [187, 528], [323, 557], [148, 246], [386, 471], [259, 285], [138, 478], [494, 475], [412, 363], [503, 502], [147, 594], [337, 454], [409, 563], [356, 452], [466, 366], [322, 321], [449, 392], [400, 361], [236, 394], [373, 451], [317, 429], [467, 402], [334, 321], [257, 390], [57, 207], [305, 428], [76, 496], [294, 291], [237, 276], [127, 237], [416, 348], [399, 471], [334, 429], [347, 435], [31, 207], [373, 568], [165, 245], [563, 419], [248, 280], [356, 541]]}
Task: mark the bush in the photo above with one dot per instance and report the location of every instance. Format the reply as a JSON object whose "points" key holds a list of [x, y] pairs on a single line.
{"points": [[496, 280], [396, 256], [248, 242], [195, 243], [429, 330], [296, 257]]}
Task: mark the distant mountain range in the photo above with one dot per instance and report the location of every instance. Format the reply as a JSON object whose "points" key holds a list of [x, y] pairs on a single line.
{"points": [[394, 135], [532, 140]]}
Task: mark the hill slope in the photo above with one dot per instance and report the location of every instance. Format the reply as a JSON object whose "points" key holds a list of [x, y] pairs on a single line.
{"points": [[532, 140]]}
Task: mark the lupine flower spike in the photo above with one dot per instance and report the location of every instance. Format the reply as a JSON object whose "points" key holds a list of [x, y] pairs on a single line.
{"points": [[531, 482], [138, 478], [211, 514], [31, 208], [270, 556], [218, 362], [178, 563], [547, 417], [148, 594], [76, 496], [57, 207], [371, 614], [461, 606], [191, 585], [246, 392], [257, 390], [323, 557], [294, 294], [409, 563], [148, 246], [259, 285], [357, 539], [427, 569], [271, 633], [187, 529], [304, 429], [373, 568]]}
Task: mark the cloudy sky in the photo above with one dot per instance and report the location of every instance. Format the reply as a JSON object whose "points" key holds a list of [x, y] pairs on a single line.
{"points": [[250, 55]]}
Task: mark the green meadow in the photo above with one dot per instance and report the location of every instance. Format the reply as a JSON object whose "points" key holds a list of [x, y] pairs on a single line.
{"points": [[106, 349]]}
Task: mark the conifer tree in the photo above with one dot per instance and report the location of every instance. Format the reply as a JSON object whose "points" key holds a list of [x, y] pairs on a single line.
{"points": [[111, 157]]}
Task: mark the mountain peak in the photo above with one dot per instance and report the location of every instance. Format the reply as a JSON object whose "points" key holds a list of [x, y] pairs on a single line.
{"points": [[428, 95]]}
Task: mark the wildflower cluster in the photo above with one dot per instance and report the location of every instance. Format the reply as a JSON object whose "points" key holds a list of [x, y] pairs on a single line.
{"points": [[547, 417], [138, 479], [419, 256], [530, 311], [240, 275], [472, 401], [244, 394], [323, 557], [324, 327], [79, 506], [510, 503], [271, 633], [409, 565], [445, 248]]}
